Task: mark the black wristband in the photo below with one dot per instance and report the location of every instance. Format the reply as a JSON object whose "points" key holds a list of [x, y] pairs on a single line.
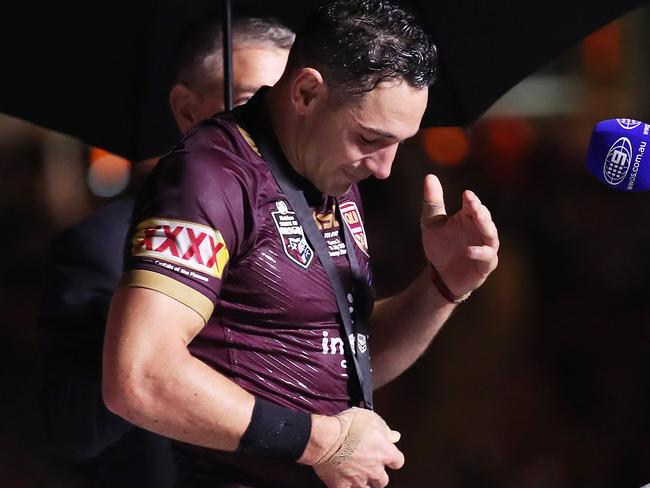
{"points": [[276, 432]]}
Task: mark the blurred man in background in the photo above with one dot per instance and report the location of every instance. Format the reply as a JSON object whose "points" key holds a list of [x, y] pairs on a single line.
{"points": [[88, 263]]}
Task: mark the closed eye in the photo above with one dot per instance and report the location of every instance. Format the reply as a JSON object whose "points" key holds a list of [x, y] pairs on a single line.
{"points": [[368, 142], [241, 100]]}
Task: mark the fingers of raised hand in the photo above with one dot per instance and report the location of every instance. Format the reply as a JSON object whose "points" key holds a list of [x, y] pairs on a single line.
{"points": [[486, 256], [482, 219]]}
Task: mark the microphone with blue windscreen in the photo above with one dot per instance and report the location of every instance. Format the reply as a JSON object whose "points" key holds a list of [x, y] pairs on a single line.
{"points": [[619, 155]]}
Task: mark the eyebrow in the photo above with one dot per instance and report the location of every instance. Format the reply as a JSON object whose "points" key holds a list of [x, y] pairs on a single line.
{"points": [[379, 132]]}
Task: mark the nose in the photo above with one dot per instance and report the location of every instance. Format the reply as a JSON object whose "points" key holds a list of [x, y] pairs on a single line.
{"points": [[380, 162]]}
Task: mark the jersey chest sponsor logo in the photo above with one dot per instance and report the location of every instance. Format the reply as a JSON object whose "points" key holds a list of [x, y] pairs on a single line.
{"points": [[196, 246], [352, 217], [292, 235], [336, 346]]}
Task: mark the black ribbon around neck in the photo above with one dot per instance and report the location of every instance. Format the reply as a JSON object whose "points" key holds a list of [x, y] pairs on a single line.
{"points": [[287, 180]]}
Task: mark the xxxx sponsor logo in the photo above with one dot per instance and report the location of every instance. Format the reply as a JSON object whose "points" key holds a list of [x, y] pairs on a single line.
{"points": [[196, 246], [352, 218]]}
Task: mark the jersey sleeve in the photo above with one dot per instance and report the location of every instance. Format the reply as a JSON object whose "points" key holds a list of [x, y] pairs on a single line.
{"points": [[189, 223]]}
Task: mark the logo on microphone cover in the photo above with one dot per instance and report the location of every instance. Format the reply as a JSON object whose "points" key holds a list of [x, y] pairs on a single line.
{"points": [[628, 124], [617, 162]]}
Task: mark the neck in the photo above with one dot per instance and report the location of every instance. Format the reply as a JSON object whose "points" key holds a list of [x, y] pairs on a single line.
{"points": [[284, 124]]}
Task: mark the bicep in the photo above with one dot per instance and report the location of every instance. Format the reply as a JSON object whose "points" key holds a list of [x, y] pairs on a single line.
{"points": [[147, 326]]}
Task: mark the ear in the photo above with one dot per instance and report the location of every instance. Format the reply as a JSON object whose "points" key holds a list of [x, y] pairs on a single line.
{"points": [[308, 86], [183, 102]]}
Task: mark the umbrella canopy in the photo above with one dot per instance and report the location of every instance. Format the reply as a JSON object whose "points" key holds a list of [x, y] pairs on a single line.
{"points": [[103, 72], [487, 47]]}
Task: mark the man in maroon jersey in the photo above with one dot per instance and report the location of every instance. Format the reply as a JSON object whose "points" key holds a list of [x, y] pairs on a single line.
{"points": [[227, 333]]}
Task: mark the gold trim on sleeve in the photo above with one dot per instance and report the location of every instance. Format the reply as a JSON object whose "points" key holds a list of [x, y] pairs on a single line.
{"points": [[247, 137], [197, 301]]}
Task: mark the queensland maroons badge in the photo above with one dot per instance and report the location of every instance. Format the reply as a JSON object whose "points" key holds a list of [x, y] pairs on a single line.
{"points": [[292, 235]]}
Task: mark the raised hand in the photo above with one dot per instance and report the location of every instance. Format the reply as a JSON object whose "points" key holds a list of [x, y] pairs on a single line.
{"points": [[462, 247]]}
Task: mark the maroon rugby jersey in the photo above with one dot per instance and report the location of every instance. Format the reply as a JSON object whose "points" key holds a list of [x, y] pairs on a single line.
{"points": [[214, 231]]}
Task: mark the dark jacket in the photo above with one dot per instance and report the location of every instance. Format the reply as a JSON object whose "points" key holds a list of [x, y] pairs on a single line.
{"points": [[86, 267]]}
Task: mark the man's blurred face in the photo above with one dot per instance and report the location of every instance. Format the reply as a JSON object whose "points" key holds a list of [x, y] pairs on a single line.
{"points": [[344, 143], [254, 66]]}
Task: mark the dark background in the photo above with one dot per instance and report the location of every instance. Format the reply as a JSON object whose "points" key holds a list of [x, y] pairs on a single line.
{"points": [[541, 379]]}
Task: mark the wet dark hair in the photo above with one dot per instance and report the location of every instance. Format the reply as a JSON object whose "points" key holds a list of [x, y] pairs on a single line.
{"points": [[201, 43], [358, 44]]}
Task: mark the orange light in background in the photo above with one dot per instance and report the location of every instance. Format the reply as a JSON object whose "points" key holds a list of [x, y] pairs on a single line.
{"points": [[503, 145], [108, 174], [601, 51], [446, 146]]}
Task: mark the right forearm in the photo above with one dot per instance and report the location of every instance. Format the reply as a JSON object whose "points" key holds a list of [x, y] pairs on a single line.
{"points": [[197, 405], [151, 379], [184, 400]]}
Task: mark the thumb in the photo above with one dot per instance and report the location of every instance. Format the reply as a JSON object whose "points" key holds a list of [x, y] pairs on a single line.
{"points": [[434, 201]]}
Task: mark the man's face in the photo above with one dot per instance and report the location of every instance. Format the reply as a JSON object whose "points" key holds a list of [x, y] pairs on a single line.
{"points": [[342, 144], [254, 66]]}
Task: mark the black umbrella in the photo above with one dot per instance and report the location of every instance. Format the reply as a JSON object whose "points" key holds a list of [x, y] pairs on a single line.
{"points": [[103, 72]]}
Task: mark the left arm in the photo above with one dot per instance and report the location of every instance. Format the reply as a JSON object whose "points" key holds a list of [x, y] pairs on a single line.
{"points": [[463, 249]]}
